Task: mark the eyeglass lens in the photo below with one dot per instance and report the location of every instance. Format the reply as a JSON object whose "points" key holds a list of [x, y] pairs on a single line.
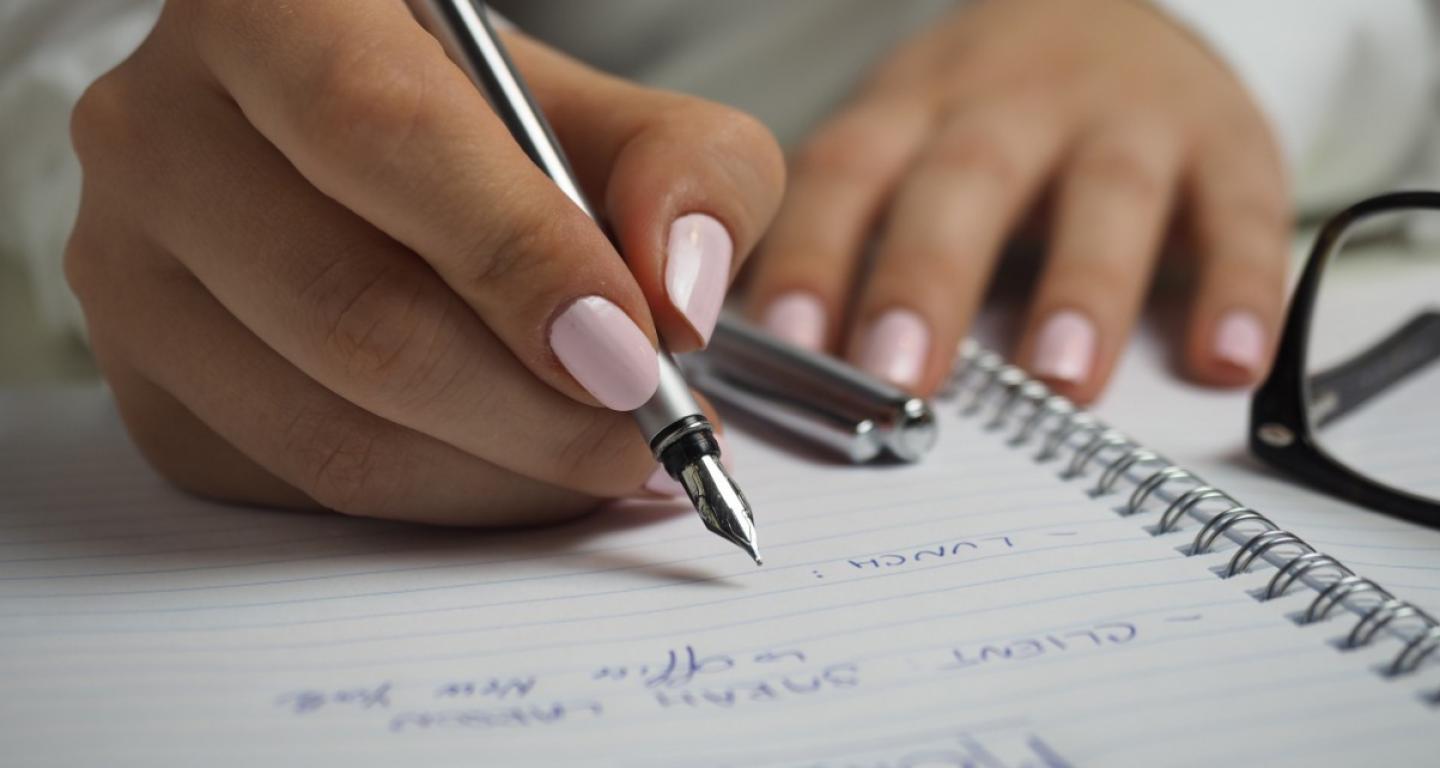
{"points": [[1373, 362]]}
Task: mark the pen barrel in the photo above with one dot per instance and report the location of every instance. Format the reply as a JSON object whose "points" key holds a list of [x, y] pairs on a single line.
{"points": [[465, 33], [464, 30], [671, 403], [814, 395]]}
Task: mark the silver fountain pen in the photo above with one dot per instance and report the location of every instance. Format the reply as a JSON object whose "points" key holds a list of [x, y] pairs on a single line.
{"points": [[679, 435]]}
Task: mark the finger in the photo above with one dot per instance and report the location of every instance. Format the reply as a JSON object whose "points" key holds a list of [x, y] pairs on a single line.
{"points": [[382, 122], [363, 316], [189, 454], [811, 256], [948, 223], [287, 426], [1242, 231], [1114, 203], [689, 186]]}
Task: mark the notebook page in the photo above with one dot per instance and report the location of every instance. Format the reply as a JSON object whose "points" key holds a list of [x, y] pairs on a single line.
{"points": [[973, 608]]}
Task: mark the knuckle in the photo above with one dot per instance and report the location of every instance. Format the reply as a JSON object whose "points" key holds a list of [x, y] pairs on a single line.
{"points": [[1265, 217], [503, 255], [1120, 170], [364, 105], [1109, 272], [341, 464], [744, 135], [1078, 272], [604, 456], [737, 134], [982, 152], [840, 151], [99, 119], [388, 333]]}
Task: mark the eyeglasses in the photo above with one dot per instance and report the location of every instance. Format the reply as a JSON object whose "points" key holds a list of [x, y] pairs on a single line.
{"points": [[1352, 405]]}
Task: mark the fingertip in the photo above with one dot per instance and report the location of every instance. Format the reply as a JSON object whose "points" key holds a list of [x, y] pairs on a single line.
{"points": [[1234, 351], [797, 317], [605, 352], [1063, 351], [895, 346], [698, 258]]}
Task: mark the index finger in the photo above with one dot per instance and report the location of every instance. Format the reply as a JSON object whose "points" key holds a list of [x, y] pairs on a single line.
{"points": [[378, 118]]}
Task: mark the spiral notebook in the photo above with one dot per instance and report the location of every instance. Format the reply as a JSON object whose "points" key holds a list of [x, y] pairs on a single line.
{"points": [[1042, 591]]}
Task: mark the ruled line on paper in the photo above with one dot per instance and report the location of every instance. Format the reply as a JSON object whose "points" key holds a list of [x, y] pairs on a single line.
{"points": [[1198, 665], [691, 536], [1362, 545], [809, 640], [547, 558], [669, 631], [248, 528], [367, 536], [648, 543], [1391, 566], [700, 604]]}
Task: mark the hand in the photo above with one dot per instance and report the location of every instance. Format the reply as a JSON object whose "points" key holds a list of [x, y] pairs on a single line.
{"points": [[1103, 114], [317, 269]]}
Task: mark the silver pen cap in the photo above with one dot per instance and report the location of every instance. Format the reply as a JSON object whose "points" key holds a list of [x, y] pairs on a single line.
{"points": [[815, 397]]}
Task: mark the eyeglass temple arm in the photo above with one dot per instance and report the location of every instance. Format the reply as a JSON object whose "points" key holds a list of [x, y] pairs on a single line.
{"points": [[1344, 387]]}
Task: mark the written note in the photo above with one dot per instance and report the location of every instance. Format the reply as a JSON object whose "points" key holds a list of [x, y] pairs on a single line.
{"points": [[690, 677], [932, 551], [1109, 633], [968, 611]]}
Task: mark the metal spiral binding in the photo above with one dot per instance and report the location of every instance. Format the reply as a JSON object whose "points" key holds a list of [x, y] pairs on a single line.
{"points": [[1223, 522], [1028, 409]]}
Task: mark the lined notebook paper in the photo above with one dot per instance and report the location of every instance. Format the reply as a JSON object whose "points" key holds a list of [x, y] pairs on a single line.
{"points": [[972, 610]]}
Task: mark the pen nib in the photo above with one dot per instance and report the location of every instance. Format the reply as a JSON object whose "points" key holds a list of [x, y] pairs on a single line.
{"points": [[720, 503]]}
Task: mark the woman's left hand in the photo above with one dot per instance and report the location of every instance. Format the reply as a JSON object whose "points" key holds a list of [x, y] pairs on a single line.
{"points": [[1107, 111]]}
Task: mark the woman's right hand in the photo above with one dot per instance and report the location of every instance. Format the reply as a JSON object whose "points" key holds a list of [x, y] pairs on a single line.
{"points": [[316, 269]]}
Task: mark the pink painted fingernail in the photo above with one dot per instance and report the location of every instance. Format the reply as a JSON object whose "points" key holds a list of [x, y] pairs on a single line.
{"points": [[896, 346], [1240, 340], [1065, 349], [798, 318], [697, 270], [606, 352]]}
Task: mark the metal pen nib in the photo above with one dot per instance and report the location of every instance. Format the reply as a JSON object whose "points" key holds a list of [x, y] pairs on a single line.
{"points": [[689, 452], [720, 503]]}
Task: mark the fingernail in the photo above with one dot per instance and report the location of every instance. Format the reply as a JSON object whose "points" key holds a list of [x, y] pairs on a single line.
{"points": [[697, 270], [606, 352], [896, 346], [1065, 349], [1240, 340], [661, 483], [798, 318]]}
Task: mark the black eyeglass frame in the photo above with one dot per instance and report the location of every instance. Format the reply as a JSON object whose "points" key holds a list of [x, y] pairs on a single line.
{"points": [[1281, 431]]}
